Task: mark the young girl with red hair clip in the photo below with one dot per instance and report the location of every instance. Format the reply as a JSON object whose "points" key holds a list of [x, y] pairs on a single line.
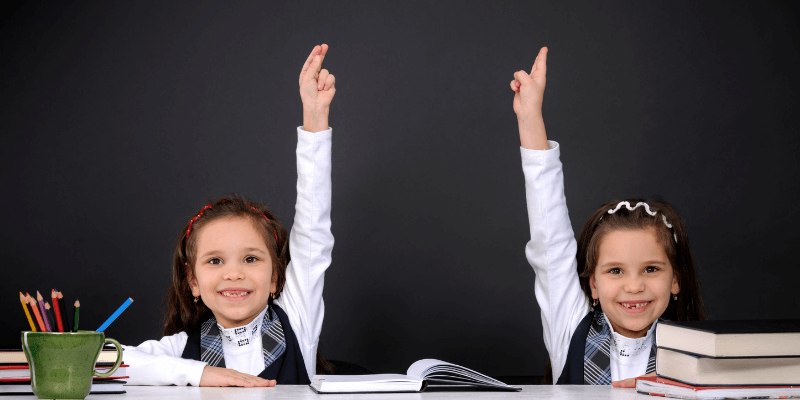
{"points": [[241, 311], [602, 295]]}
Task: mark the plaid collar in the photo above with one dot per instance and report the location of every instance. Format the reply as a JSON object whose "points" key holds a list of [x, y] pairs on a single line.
{"points": [[597, 353], [273, 341]]}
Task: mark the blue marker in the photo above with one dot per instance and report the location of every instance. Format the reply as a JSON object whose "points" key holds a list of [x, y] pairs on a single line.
{"points": [[115, 315]]}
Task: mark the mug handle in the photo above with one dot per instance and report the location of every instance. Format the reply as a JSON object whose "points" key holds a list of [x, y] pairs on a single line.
{"points": [[116, 364]]}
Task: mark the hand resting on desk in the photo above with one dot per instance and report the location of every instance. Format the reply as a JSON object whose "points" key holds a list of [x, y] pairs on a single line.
{"points": [[630, 382], [215, 376]]}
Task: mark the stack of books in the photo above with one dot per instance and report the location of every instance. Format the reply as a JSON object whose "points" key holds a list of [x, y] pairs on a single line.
{"points": [[726, 359], [15, 375]]}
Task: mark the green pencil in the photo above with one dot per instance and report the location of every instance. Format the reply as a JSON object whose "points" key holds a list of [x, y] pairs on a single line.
{"points": [[77, 312]]}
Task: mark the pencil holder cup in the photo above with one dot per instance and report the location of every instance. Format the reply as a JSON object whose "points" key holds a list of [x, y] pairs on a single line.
{"points": [[62, 364]]}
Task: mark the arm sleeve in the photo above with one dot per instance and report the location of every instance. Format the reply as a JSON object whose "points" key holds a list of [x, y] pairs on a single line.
{"points": [[310, 243], [159, 362], [551, 252]]}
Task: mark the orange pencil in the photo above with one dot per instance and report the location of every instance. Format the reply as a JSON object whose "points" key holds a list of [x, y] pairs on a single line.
{"points": [[57, 311], [27, 314], [32, 302]]}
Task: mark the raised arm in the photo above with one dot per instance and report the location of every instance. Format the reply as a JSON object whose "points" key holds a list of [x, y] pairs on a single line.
{"points": [[311, 241], [552, 248]]}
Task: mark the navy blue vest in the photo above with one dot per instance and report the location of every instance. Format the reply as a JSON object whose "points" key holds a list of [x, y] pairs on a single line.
{"points": [[573, 369], [288, 369]]}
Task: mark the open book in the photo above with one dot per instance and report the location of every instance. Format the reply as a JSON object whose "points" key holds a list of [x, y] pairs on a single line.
{"points": [[416, 379]]}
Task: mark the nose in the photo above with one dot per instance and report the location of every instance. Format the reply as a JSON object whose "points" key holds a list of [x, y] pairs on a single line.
{"points": [[634, 283], [233, 272]]}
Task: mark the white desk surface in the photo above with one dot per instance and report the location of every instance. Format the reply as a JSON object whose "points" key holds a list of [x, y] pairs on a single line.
{"points": [[304, 392]]}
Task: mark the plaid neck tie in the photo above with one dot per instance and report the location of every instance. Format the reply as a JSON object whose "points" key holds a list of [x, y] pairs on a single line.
{"points": [[272, 340], [596, 356]]}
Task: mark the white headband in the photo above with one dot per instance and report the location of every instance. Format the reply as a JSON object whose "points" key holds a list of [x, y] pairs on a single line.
{"points": [[647, 209]]}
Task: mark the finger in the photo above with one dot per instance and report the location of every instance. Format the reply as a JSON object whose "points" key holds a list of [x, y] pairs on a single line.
{"points": [[316, 50], [323, 50], [627, 383], [323, 74], [540, 65], [239, 381], [329, 82], [522, 77], [513, 84], [313, 68]]}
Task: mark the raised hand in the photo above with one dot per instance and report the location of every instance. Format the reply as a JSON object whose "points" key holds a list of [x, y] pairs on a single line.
{"points": [[215, 376], [528, 97], [317, 88], [529, 88]]}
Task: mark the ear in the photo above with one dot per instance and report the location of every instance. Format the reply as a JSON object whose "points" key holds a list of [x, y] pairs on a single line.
{"points": [[192, 281], [676, 286], [273, 286], [593, 287]]}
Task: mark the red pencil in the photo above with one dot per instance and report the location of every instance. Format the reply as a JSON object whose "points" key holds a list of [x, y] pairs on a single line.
{"points": [[54, 296]]}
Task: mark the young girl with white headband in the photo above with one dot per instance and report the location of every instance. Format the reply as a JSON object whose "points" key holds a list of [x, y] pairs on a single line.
{"points": [[602, 295], [240, 310]]}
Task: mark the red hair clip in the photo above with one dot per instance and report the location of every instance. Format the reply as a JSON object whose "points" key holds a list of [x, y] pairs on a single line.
{"points": [[200, 214]]}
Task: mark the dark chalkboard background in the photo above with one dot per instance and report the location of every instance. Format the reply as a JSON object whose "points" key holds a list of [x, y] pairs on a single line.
{"points": [[119, 121]]}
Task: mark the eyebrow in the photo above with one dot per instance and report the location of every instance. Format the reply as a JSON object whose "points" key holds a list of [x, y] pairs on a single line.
{"points": [[619, 264], [210, 253]]}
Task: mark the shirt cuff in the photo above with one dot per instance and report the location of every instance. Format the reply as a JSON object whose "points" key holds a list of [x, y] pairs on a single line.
{"points": [[314, 135], [530, 156]]}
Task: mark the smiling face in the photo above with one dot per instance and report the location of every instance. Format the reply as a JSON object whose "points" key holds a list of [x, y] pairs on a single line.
{"points": [[233, 271], [633, 280]]}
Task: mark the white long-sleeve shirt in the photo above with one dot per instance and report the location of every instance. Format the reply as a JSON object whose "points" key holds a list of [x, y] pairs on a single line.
{"points": [[551, 252], [158, 362]]}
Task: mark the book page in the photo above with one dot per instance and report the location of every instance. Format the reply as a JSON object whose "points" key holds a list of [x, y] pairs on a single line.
{"points": [[364, 378], [365, 383], [442, 371]]}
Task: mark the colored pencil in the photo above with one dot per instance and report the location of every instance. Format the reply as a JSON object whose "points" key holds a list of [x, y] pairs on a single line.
{"points": [[35, 310], [40, 300], [49, 316], [64, 313], [27, 313], [77, 312], [57, 310], [115, 315]]}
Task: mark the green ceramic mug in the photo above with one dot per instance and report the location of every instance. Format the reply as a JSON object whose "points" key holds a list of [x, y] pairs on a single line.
{"points": [[62, 364]]}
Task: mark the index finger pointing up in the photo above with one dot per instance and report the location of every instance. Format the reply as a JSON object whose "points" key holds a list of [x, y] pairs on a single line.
{"points": [[541, 62]]}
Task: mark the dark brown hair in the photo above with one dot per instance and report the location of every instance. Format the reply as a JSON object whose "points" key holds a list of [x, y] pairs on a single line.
{"points": [[182, 312], [689, 305]]}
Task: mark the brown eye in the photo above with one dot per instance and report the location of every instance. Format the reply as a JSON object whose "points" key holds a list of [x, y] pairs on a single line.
{"points": [[651, 269], [215, 261], [614, 271], [250, 259]]}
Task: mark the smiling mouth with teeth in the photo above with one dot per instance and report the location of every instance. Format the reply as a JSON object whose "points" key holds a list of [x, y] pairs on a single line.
{"points": [[234, 294], [634, 306]]}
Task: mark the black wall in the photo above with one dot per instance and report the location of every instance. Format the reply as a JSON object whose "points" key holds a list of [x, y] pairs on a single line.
{"points": [[119, 121]]}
